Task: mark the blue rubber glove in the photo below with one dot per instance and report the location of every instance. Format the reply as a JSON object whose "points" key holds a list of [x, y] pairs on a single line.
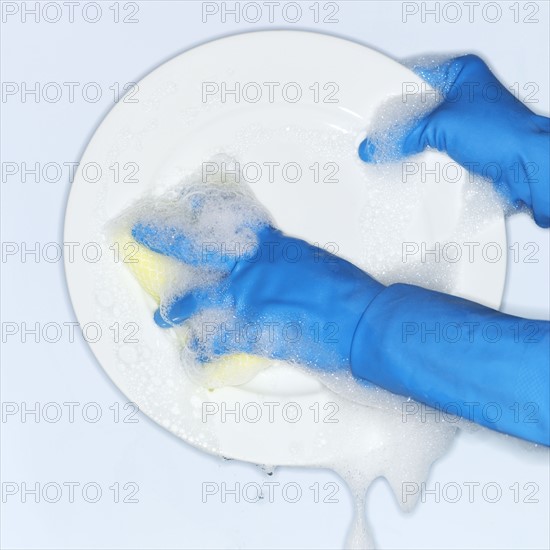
{"points": [[446, 352], [483, 127], [302, 302], [459, 357]]}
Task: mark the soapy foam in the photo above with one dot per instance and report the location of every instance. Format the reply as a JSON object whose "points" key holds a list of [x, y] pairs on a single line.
{"points": [[396, 188], [371, 439], [207, 211], [369, 417]]}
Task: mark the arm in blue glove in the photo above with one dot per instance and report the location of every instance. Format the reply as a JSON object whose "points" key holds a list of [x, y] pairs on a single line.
{"points": [[459, 357], [446, 352], [483, 127]]}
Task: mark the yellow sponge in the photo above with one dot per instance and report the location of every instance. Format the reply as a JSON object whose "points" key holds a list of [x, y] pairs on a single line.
{"points": [[153, 272], [149, 268]]}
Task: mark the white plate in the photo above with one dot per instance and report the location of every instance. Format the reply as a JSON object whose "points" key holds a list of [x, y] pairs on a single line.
{"points": [[170, 131]]}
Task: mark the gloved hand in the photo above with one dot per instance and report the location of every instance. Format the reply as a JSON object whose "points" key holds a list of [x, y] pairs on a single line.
{"points": [[483, 127], [288, 299], [320, 310]]}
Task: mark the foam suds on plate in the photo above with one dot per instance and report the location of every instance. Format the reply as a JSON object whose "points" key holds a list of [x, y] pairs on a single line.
{"points": [[397, 187], [377, 434]]}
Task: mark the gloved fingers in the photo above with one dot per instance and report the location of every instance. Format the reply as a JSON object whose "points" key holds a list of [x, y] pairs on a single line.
{"points": [[420, 136], [432, 69], [447, 75], [441, 76], [186, 306], [159, 320], [179, 236], [397, 142], [172, 242], [168, 241]]}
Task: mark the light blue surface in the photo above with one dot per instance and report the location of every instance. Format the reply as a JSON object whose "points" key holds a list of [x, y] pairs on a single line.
{"points": [[170, 513]]}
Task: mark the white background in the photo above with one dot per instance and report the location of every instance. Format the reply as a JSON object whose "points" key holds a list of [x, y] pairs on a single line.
{"points": [[169, 473]]}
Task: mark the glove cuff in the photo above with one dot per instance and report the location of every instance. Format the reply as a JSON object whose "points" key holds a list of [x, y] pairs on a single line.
{"points": [[457, 356], [363, 342]]}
